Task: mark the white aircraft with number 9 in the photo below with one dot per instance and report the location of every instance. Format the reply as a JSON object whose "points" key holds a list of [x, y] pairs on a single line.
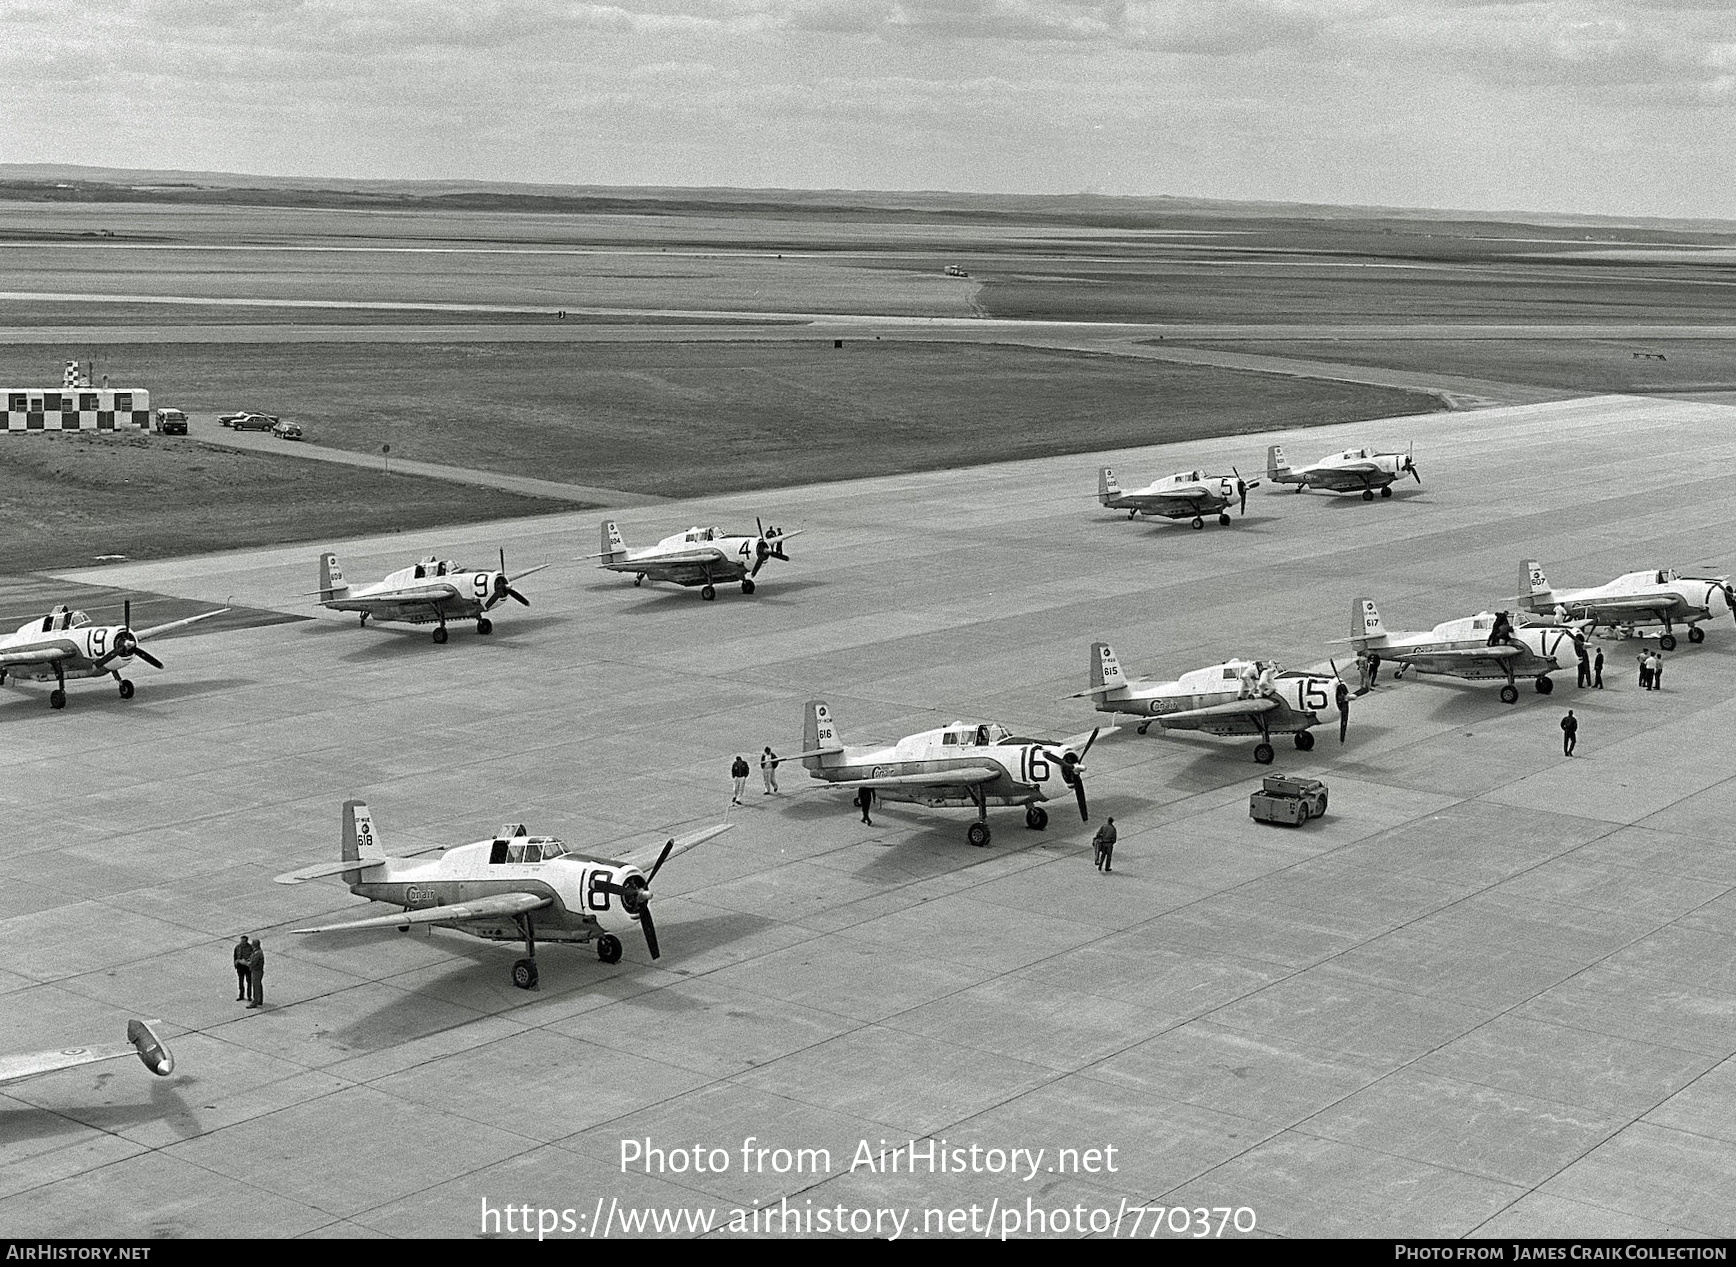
{"points": [[425, 593]]}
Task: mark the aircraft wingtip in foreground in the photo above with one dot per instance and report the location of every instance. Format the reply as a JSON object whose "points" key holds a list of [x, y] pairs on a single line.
{"points": [[428, 592], [1237, 697], [65, 644], [142, 1041], [699, 556], [513, 887], [968, 765], [1363, 470]]}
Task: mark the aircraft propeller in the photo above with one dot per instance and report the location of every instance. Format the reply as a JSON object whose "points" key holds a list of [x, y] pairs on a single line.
{"points": [[1073, 772], [764, 549], [503, 586], [1242, 487], [1410, 464], [635, 897], [127, 642]]}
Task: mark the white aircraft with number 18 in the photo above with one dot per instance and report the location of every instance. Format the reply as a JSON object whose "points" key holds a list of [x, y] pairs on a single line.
{"points": [[64, 644], [1237, 697], [964, 765], [425, 593], [515, 887]]}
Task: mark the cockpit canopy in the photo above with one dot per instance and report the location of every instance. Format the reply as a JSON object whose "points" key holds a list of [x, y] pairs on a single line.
{"points": [[432, 566], [981, 735], [513, 844], [703, 534], [1356, 455], [62, 617]]}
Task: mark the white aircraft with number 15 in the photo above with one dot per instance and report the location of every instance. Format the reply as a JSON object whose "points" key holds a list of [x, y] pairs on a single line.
{"points": [[1237, 697], [965, 765], [515, 887]]}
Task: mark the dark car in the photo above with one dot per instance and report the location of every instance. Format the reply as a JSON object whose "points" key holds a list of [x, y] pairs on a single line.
{"points": [[171, 422], [287, 431], [252, 422]]}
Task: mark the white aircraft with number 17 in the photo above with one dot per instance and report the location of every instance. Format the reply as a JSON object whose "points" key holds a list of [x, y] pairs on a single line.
{"points": [[965, 765], [1476, 648]]}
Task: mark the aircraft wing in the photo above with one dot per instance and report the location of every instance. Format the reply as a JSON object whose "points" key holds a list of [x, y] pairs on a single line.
{"points": [[154, 630], [33, 655], [1161, 503], [519, 576], [646, 858], [432, 595], [686, 559], [482, 908], [1357, 475], [1637, 604], [1193, 718], [961, 776], [1458, 655], [141, 1042]]}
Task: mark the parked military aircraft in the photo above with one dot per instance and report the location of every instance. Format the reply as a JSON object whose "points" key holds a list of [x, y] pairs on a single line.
{"points": [[511, 888], [699, 556], [65, 644], [1652, 597], [142, 1041], [1178, 496], [1237, 697], [1352, 471], [1483, 647], [427, 592], [966, 764]]}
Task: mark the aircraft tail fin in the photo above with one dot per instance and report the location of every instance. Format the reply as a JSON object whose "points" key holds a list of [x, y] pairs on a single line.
{"points": [[1275, 463], [1534, 588], [1105, 668], [331, 578], [819, 735], [614, 544], [359, 839], [1365, 624], [1107, 485]]}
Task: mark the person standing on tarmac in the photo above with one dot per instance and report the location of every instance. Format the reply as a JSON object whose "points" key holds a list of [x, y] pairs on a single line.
{"points": [[1103, 845], [1597, 670], [1569, 733], [1584, 662], [243, 953], [738, 771], [769, 770]]}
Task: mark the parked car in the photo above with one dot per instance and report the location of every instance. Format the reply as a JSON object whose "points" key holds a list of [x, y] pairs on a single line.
{"points": [[171, 422], [287, 431], [253, 422]]}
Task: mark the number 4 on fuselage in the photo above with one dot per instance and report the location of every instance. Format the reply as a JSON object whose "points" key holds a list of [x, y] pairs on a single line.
{"points": [[704, 557]]}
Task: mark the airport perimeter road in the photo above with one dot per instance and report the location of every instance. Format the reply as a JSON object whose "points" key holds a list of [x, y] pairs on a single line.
{"points": [[1491, 994], [207, 429]]}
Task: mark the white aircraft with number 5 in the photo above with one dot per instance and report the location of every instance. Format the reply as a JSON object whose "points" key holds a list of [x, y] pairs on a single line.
{"points": [[428, 592], [1237, 697], [1484, 647], [515, 887], [964, 765], [1656, 596], [64, 644], [1352, 471], [699, 556], [1180, 496]]}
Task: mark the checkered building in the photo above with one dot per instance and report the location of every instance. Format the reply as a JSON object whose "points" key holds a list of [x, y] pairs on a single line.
{"points": [[75, 409]]}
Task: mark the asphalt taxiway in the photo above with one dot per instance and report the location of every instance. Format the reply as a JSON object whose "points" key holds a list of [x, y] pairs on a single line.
{"points": [[1492, 994]]}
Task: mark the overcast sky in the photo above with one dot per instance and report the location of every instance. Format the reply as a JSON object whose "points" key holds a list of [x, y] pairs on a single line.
{"points": [[1615, 106]]}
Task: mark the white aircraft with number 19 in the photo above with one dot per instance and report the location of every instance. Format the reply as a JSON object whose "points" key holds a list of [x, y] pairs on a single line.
{"points": [[964, 765], [64, 644], [515, 887], [1237, 697]]}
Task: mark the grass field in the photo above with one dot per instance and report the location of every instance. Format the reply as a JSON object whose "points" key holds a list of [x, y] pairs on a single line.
{"points": [[71, 497], [685, 418]]}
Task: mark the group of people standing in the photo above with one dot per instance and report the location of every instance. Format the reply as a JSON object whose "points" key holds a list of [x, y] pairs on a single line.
{"points": [[250, 971], [739, 771]]}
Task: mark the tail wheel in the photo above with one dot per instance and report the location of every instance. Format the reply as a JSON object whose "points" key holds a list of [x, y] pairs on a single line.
{"points": [[524, 974], [1509, 695], [978, 834], [1263, 753], [639, 579]]}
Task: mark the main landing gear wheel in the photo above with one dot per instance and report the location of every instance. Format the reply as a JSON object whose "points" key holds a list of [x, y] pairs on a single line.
{"points": [[1224, 520], [1198, 522], [524, 974], [1386, 492], [57, 698], [1696, 634], [126, 689], [1036, 818], [1668, 642], [1144, 726], [485, 626], [1368, 494], [747, 585], [639, 579], [440, 634], [1304, 741], [1132, 514], [1263, 753], [708, 593], [978, 834], [1544, 686], [1509, 695], [609, 948]]}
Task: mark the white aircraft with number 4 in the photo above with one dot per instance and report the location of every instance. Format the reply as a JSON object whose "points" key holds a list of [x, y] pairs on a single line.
{"points": [[1237, 697], [1178, 496], [964, 765], [142, 1041], [699, 556], [515, 887], [1352, 471], [64, 644], [1656, 596], [1479, 648], [428, 592]]}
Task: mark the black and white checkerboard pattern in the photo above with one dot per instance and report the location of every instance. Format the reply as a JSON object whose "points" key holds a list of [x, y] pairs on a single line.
{"points": [[75, 409]]}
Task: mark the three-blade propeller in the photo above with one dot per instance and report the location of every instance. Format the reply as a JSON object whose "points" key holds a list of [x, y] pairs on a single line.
{"points": [[1073, 772], [1242, 487], [127, 642], [503, 586], [635, 897], [764, 549], [1410, 464]]}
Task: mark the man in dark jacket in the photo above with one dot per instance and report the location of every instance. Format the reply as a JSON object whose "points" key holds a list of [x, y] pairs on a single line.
{"points": [[1103, 845], [738, 771], [256, 974], [1569, 733], [243, 953], [1597, 670], [865, 799]]}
